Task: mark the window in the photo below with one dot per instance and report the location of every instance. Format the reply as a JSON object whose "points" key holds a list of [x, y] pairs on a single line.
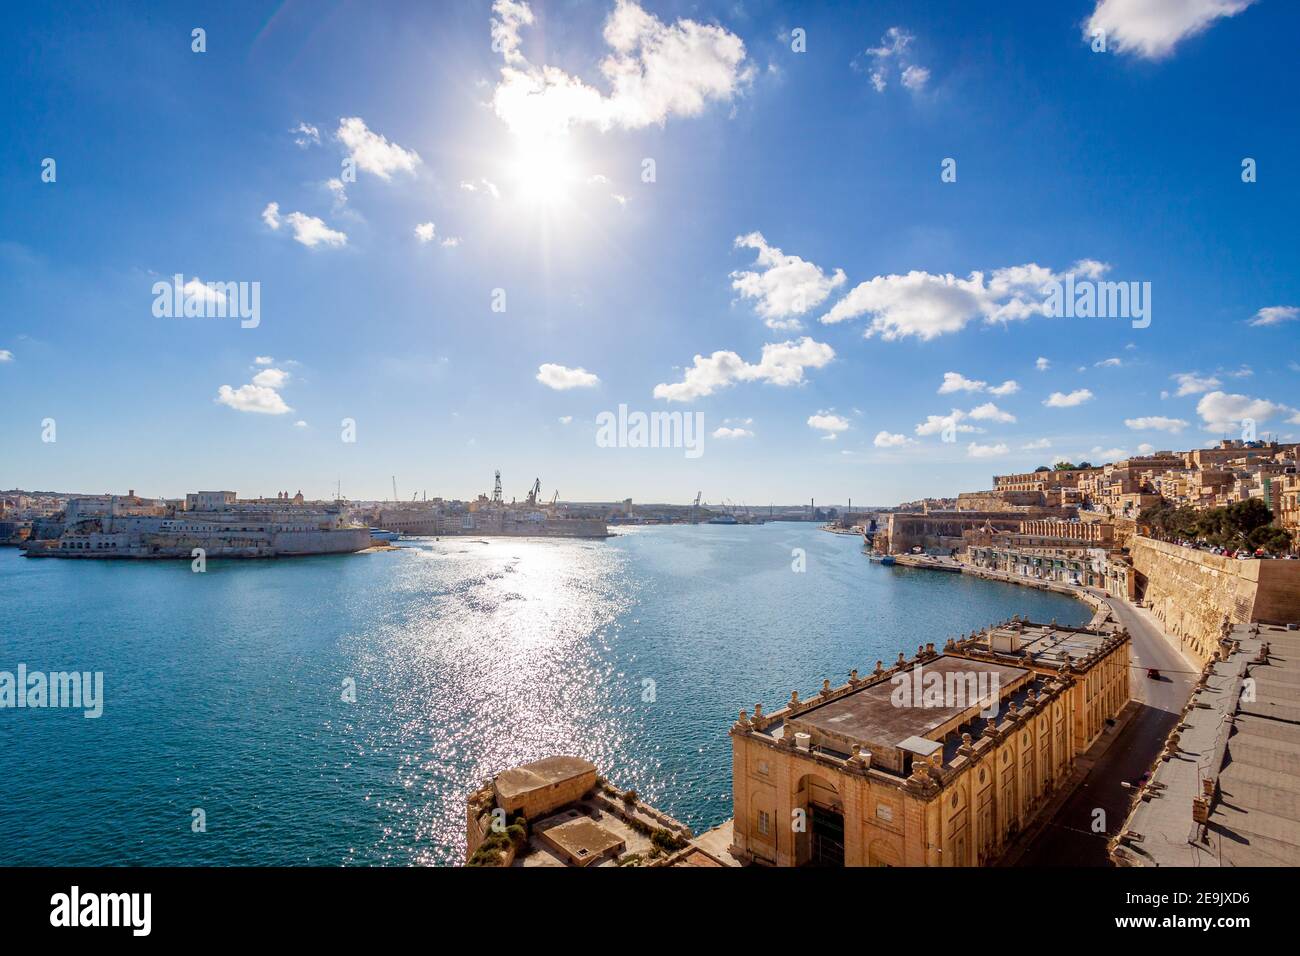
{"points": [[764, 822]]}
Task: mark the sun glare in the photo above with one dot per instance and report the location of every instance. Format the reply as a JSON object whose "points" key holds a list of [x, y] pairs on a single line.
{"points": [[544, 172]]}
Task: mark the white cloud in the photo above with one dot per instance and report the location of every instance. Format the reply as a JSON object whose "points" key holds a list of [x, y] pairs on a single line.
{"points": [[202, 292], [509, 16], [450, 242], [986, 451], [927, 305], [725, 432], [6, 355], [1157, 423], [1061, 400], [653, 71], [956, 382], [560, 378], [1009, 387], [373, 152], [253, 398], [915, 77], [787, 286], [1152, 28], [1036, 444], [263, 360], [566, 419], [893, 52], [782, 363], [891, 440], [424, 232], [937, 424], [1222, 412], [1042, 364], [1190, 383], [483, 185], [271, 378], [306, 135], [338, 190], [308, 230], [989, 412], [1108, 454], [312, 232], [300, 424], [828, 423], [1275, 314], [1108, 363]]}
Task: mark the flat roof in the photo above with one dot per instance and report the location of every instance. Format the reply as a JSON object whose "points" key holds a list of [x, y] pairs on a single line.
{"points": [[582, 839], [1251, 748], [1048, 644], [869, 716], [516, 781]]}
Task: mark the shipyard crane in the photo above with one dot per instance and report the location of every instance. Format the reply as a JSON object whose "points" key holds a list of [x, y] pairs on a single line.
{"points": [[534, 491]]}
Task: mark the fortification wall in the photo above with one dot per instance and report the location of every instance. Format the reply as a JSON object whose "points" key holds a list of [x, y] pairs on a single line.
{"points": [[1191, 592]]}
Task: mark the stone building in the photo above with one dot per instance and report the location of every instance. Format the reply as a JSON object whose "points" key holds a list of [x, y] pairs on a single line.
{"points": [[937, 761], [559, 812]]}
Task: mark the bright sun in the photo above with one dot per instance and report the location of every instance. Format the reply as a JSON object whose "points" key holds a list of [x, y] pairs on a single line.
{"points": [[544, 171]]}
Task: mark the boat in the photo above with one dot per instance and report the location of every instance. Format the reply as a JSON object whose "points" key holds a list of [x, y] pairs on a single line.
{"points": [[379, 534], [887, 559], [723, 519]]}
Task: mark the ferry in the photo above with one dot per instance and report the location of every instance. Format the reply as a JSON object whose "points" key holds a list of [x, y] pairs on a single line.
{"points": [[379, 534], [723, 519]]}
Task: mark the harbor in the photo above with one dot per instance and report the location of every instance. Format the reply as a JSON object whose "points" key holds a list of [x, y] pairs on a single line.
{"points": [[469, 655]]}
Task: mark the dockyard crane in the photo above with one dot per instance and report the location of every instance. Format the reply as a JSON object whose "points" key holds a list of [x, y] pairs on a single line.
{"points": [[695, 508], [534, 491]]}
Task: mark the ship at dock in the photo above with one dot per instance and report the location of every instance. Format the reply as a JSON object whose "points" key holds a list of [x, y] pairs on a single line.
{"points": [[216, 524], [533, 517]]}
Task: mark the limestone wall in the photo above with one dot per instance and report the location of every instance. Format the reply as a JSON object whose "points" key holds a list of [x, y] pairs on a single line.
{"points": [[1191, 591]]}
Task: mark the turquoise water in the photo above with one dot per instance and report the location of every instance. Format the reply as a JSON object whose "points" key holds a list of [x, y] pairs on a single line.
{"points": [[223, 691]]}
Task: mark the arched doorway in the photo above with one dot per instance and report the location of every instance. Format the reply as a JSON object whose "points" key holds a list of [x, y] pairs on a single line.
{"points": [[822, 843]]}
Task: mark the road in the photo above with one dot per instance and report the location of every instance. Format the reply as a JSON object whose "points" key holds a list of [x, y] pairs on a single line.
{"points": [[1069, 839]]}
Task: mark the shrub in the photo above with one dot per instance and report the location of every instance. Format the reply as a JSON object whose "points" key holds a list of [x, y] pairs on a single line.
{"points": [[517, 835], [666, 840], [630, 797]]}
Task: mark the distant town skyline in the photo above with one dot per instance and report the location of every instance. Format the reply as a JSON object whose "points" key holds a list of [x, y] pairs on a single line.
{"points": [[293, 247]]}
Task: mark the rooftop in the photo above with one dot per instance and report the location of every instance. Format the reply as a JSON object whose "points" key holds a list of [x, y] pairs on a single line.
{"points": [[886, 724], [1234, 761], [516, 782]]}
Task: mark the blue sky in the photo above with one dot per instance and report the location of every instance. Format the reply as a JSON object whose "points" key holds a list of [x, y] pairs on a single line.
{"points": [[1124, 165]]}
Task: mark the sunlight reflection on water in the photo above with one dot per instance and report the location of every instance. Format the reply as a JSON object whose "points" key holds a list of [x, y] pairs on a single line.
{"points": [[468, 657]]}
